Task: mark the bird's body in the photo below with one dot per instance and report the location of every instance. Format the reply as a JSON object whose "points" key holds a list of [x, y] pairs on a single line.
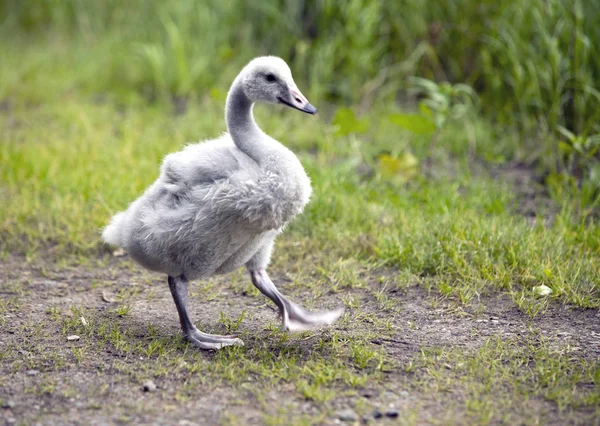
{"points": [[211, 209], [219, 204]]}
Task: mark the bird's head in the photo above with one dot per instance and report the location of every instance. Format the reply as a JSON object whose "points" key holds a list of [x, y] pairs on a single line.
{"points": [[268, 79]]}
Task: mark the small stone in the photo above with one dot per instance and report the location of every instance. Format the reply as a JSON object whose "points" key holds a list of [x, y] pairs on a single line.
{"points": [[377, 414], [107, 298], [542, 290], [73, 338], [32, 372], [392, 413], [11, 421], [403, 393], [368, 393], [347, 415], [149, 386], [9, 403]]}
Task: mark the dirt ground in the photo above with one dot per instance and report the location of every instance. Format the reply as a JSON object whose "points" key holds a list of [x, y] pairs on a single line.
{"points": [[43, 381]]}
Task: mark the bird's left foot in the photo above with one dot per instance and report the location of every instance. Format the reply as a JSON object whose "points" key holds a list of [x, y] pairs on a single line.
{"points": [[296, 318]]}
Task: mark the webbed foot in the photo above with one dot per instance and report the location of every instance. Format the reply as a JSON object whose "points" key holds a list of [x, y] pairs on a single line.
{"points": [[179, 290], [211, 341], [293, 317]]}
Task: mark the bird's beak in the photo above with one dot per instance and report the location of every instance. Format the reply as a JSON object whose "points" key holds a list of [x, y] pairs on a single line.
{"points": [[298, 101]]}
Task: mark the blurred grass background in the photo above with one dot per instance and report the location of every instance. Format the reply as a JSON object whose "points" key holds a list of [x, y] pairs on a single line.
{"points": [[534, 64], [95, 93]]}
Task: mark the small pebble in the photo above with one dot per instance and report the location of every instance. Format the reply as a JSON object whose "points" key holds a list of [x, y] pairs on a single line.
{"points": [[347, 415], [149, 386], [542, 290], [107, 298], [73, 338], [368, 393], [392, 413], [32, 372], [377, 414], [9, 403]]}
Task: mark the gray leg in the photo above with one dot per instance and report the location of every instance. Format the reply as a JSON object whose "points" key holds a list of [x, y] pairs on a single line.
{"points": [[293, 317], [179, 290]]}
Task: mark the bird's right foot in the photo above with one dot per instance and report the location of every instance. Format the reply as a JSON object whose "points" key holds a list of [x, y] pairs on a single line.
{"points": [[211, 341]]}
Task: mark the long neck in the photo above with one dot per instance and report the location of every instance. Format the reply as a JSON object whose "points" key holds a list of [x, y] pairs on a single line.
{"points": [[240, 121]]}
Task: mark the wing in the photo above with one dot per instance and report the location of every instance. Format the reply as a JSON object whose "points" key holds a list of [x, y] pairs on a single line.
{"points": [[203, 164]]}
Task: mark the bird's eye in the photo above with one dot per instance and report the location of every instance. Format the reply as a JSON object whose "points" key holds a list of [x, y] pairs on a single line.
{"points": [[271, 78]]}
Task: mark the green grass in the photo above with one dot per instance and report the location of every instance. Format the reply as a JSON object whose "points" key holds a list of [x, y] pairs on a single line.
{"points": [[504, 376], [68, 166]]}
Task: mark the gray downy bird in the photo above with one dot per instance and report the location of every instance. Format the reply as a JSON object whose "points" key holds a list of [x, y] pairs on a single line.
{"points": [[219, 204]]}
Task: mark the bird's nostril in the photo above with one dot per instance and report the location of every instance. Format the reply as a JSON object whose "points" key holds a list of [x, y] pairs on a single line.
{"points": [[298, 100]]}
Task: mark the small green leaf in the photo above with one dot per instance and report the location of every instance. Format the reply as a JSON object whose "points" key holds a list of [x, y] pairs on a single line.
{"points": [[415, 123], [398, 168], [425, 110], [570, 136], [565, 147], [346, 122]]}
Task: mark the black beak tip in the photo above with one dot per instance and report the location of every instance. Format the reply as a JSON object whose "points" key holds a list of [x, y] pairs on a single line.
{"points": [[307, 108], [310, 109]]}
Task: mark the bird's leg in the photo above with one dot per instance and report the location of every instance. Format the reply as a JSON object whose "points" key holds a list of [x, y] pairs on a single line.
{"points": [[179, 290], [293, 317]]}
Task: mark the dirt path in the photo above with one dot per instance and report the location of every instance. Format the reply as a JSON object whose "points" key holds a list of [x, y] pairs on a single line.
{"points": [[435, 352]]}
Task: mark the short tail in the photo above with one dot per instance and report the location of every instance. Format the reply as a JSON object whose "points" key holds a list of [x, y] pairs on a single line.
{"points": [[113, 233]]}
